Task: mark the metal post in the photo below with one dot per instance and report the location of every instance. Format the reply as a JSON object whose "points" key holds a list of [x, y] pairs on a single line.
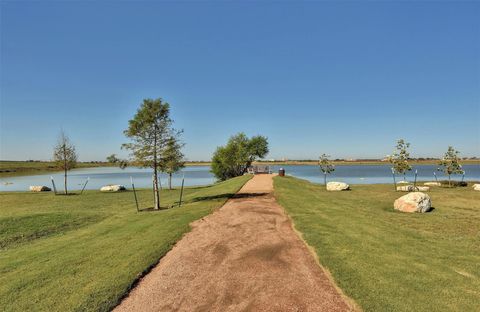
{"points": [[54, 188], [134, 193], [415, 182], [181, 191], [88, 179], [394, 181], [435, 175], [463, 175]]}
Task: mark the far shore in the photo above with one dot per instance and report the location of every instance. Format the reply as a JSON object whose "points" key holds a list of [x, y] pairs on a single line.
{"points": [[10, 168]]}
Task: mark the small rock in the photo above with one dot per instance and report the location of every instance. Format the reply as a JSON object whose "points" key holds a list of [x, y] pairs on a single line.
{"points": [[337, 186], [39, 188], [476, 187], [405, 188], [422, 188], [413, 202], [113, 188], [411, 188], [432, 183]]}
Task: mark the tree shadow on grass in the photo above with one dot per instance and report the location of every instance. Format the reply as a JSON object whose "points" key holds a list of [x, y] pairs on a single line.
{"points": [[227, 196], [151, 209]]}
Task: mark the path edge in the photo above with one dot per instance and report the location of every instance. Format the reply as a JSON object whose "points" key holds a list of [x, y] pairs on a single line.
{"points": [[149, 269], [353, 306]]}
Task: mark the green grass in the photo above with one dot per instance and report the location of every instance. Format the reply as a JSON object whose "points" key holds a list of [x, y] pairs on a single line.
{"points": [[387, 260], [82, 253]]}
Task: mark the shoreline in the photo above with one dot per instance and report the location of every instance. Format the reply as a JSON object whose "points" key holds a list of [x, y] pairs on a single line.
{"points": [[10, 169]]}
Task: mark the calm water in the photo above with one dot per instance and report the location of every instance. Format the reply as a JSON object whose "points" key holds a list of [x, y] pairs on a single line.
{"points": [[200, 175]]}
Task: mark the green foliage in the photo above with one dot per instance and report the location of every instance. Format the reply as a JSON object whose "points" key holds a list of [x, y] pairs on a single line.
{"points": [[113, 159], [450, 164], [150, 130], [325, 164], [387, 260], [84, 253], [237, 155], [399, 159]]}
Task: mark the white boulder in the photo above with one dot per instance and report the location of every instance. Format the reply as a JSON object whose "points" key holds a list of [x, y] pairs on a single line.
{"points": [[112, 188], [403, 182], [39, 188], [337, 186], [432, 184], [476, 187], [405, 188], [413, 202], [411, 188], [422, 188]]}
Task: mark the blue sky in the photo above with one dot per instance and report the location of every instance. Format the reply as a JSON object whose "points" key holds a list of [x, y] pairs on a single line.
{"points": [[342, 78]]}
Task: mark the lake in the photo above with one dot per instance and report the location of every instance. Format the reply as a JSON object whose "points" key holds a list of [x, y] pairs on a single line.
{"points": [[200, 175]]}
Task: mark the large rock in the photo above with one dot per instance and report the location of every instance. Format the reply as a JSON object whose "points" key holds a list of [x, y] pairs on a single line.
{"points": [[411, 188], [39, 188], [432, 184], [476, 187], [337, 186], [413, 202], [113, 188]]}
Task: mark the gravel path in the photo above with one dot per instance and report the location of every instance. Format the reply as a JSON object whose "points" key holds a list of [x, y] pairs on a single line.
{"points": [[243, 257]]}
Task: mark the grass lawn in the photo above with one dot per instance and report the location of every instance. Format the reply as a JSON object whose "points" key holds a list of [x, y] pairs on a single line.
{"points": [[387, 260], [82, 253]]}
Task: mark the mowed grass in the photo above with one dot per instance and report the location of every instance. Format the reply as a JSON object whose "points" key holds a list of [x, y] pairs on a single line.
{"points": [[83, 252], [387, 260]]}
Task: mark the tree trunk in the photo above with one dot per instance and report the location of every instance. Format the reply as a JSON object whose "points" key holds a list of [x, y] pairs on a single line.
{"points": [[170, 181], [449, 181], [155, 173], [155, 189], [325, 180], [404, 176]]}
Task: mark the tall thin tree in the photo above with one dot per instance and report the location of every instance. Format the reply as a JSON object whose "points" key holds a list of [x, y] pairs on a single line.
{"points": [[65, 156], [399, 159], [450, 164], [325, 166], [172, 158], [150, 129]]}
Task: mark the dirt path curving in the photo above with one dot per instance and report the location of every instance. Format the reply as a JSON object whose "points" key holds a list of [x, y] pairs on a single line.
{"points": [[243, 257]]}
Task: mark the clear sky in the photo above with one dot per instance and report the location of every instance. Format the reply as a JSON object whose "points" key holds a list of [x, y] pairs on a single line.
{"points": [[342, 78]]}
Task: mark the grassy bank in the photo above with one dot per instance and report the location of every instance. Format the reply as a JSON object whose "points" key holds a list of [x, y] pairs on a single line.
{"points": [[21, 168], [82, 253], [387, 260]]}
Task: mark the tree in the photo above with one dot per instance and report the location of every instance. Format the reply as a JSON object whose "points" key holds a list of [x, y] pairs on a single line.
{"points": [[237, 155], [399, 159], [150, 130], [64, 156], [325, 166], [113, 159], [172, 158], [450, 164]]}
